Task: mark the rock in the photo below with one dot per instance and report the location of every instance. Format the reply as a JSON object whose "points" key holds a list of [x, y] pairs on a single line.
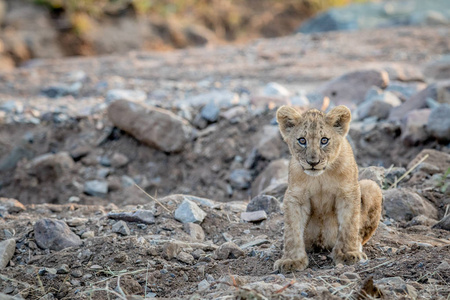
{"points": [[234, 114], [254, 216], [352, 276], [61, 90], [98, 188], [269, 142], [87, 235], [421, 220], [203, 285], [405, 90], [351, 88], [127, 95], [63, 269], [185, 257], [273, 89], [195, 231], [267, 203], [414, 126], [443, 92], [138, 216], [444, 223], [240, 179], [275, 171], [11, 205], [222, 98], [444, 266], [188, 211], [7, 249], [153, 126], [417, 101], [438, 124], [404, 73], [439, 159], [228, 250], [373, 173], [210, 112], [54, 235], [403, 205], [51, 167], [119, 160], [438, 69], [121, 227], [378, 105], [74, 222]]}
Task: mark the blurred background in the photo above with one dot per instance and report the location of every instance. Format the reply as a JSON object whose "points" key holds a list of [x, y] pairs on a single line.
{"points": [[57, 28]]}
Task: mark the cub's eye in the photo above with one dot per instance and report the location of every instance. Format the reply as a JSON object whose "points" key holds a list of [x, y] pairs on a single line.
{"points": [[324, 141], [302, 141]]}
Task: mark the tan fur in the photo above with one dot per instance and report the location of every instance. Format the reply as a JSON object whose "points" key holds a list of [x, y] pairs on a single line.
{"points": [[324, 206]]}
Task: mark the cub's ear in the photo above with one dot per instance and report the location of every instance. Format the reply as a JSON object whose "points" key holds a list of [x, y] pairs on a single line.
{"points": [[339, 117], [287, 118]]}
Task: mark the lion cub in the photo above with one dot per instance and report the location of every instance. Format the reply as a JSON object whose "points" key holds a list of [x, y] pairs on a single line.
{"points": [[324, 206]]}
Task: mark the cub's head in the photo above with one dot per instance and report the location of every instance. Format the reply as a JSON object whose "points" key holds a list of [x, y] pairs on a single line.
{"points": [[314, 138]]}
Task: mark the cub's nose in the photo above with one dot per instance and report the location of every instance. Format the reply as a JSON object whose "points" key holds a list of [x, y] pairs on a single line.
{"points": [[313, 163]]}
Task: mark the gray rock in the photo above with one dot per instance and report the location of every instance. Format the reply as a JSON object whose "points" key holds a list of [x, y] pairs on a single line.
{"points": [[414, 125], [195, 231], [7, 248], [203, 285], [269, 142], [417, 101], [222, 98], [444, 223], [438, 69], [267, 203], [350, 89], [274, 172], [403, 205], [188, 211], [439, 123], [97, 188], [185, 257], [54, 235], [10, 205], [378, 105], [74, 222], [210, 112], [63, 269], [51, 166], [158, 128], [254, 216], [62, 90], [234, 114], [228, 250], [273, 89], [12, 107], [240, 179], [138, 216], [128, 95], [121, 227], [393, 174], [439, 159], [404, 90], [373, 173], [119, 160]]}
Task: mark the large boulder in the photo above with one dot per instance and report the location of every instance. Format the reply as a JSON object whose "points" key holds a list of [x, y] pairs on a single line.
{"points": [[350, 89], [403, 205], [158, 128]]}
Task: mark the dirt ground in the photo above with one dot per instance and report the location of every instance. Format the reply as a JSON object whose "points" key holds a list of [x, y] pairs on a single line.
{"points": [[407, 259]]}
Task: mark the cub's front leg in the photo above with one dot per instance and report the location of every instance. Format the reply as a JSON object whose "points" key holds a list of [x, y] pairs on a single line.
{"points": [[348, 249], [296, 214]]}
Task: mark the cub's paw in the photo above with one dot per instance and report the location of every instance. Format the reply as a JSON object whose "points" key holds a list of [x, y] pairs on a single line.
{"points": [[289, 265], [349, 258]]}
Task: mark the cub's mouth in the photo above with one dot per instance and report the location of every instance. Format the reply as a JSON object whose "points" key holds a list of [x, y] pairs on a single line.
{"points": [[313, 171]]}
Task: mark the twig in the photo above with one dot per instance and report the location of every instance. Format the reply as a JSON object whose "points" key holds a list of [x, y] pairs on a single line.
{"points": [[285, 287], [409, 171], [382, 264], [153, 198]]}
